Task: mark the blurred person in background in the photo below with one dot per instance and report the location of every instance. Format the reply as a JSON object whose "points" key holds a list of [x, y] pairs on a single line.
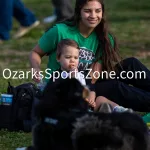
{"points": [[62, 10], [15, 8]]}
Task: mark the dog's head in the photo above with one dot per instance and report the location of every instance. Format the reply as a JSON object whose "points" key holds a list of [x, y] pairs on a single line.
{"points": [[63, 95], [115, 131]]}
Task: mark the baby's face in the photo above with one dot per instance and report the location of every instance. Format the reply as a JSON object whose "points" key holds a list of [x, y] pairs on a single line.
{"points": [[69, 58]]}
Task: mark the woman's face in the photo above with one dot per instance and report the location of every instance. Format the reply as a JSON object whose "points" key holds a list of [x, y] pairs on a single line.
{"points": [[91, 14]]}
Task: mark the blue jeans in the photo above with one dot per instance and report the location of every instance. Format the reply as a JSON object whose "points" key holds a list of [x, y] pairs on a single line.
{"points": [[10, 8]]}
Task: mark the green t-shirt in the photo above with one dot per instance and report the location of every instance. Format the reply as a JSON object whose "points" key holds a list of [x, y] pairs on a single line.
{"points": [[88, 46]]}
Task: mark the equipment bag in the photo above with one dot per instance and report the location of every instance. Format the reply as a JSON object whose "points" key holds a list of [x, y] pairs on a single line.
{"points": [[17, 116]]}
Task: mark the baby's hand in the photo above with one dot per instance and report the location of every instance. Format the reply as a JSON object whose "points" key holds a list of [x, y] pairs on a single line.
{"points": [[73, 70], [91, 99], [91, 102]]}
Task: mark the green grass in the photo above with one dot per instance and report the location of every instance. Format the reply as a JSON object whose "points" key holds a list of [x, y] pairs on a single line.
{"points": [[14, 139], [129, 20]]}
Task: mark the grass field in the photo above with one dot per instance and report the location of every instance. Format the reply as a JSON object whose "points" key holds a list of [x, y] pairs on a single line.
{"points": [[129, 20]]}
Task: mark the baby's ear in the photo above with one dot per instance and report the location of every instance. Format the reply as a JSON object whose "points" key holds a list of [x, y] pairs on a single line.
{"points": [[57, 58]]}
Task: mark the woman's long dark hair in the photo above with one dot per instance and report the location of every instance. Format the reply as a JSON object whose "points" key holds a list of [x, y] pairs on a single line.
{"points": [[110, 54]]}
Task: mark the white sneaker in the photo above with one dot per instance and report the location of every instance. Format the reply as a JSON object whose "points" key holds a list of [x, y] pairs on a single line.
{"points": [[24, 30], [122, 109], [23, 148], [50, 19]]}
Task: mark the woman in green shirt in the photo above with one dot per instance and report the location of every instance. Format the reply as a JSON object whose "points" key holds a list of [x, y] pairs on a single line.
{"points": [[90, 33], [99, 51]]}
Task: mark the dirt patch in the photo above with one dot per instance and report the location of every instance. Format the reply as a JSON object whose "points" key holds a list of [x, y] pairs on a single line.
{"points": [[12, 56], [14, 52], [142, 54]]}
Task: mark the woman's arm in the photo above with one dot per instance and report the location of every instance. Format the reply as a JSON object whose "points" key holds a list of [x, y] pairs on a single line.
{"points": [[97, 68], [46, 44], [35, 61]]}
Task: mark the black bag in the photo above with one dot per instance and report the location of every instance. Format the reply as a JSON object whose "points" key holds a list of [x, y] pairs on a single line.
{"points": [[18, 115]]}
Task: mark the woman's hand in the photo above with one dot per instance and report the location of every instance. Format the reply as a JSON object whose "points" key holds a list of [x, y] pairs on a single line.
{"points": [[36, 75]]}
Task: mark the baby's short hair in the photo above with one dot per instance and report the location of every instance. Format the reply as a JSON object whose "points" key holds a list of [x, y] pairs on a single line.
{"points": [[65, 42]]}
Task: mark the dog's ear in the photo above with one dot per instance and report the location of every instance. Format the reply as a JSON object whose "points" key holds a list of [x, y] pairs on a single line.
{"points": [[85, 92]]}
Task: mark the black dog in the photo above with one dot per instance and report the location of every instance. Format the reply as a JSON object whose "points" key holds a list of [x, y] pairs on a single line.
{"points": [[62, 102], [115, 131]]}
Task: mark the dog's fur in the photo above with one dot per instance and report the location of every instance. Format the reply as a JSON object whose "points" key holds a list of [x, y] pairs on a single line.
{"points": [[115, 131], [57, 112], [62, 95], [62, 102]]}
